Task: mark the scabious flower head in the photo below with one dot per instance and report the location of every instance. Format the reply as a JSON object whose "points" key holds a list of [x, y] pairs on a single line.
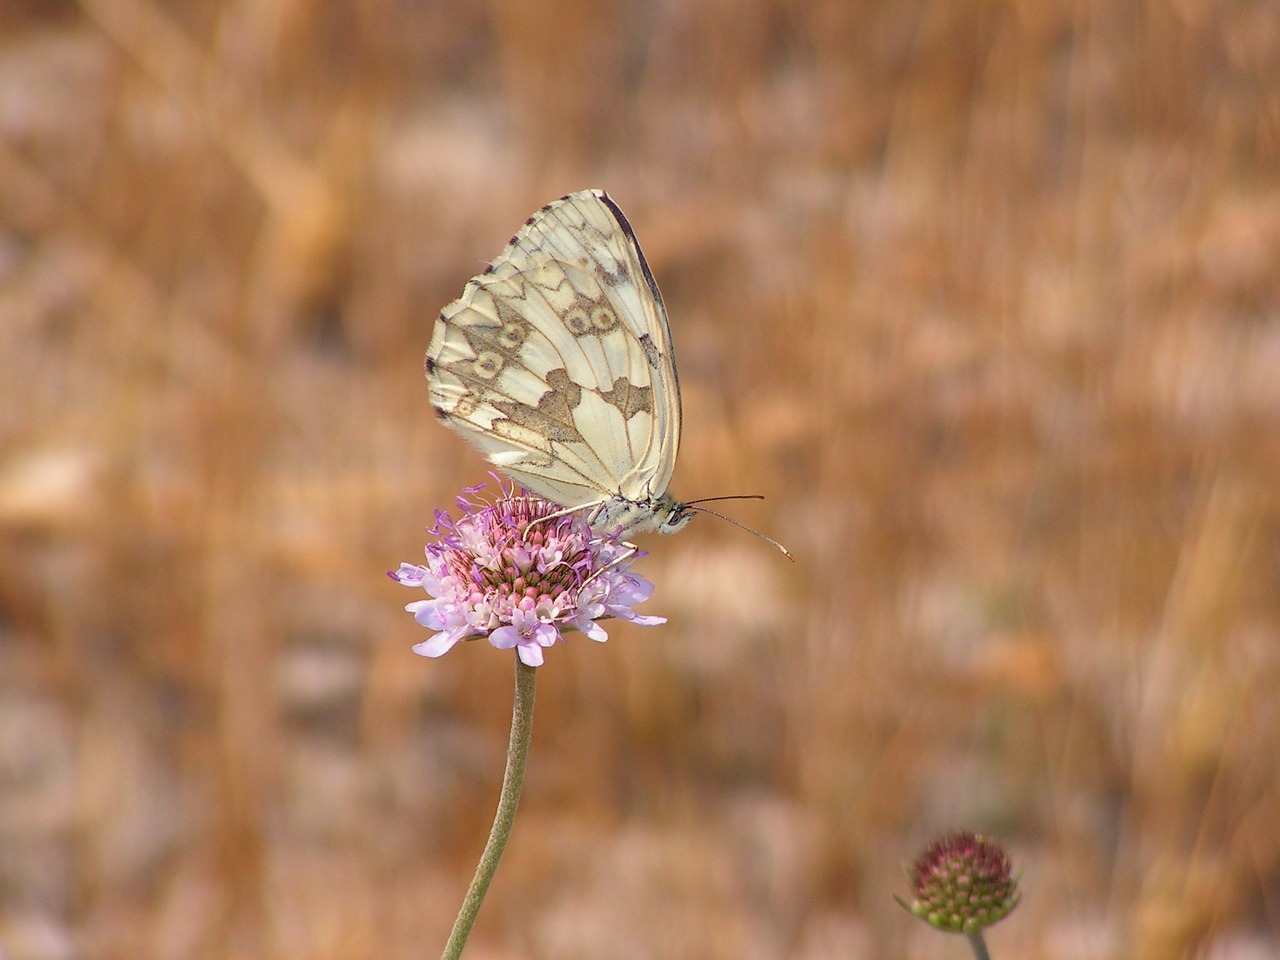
{"points": [[499, 573], [962, 883]]}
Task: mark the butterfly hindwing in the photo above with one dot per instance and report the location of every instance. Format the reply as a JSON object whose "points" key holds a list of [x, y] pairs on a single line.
{"points": [[556, 362]]}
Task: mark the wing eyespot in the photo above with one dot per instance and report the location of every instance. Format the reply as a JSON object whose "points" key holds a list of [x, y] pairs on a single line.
{"points": [[488, 365], [602, 318], [513, 334]]}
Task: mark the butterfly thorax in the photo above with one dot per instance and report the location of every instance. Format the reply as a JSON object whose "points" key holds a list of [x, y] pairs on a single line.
{"points": [[664, 514]]}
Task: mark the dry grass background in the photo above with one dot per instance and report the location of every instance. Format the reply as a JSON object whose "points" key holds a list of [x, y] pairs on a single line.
{"points": [[982, 295]]}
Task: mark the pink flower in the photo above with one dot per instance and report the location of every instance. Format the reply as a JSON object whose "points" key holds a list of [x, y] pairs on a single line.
{"points": [[500, 573]]}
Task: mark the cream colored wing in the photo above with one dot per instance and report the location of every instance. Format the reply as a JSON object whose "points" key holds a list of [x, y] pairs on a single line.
{"points": [[556, 362]]}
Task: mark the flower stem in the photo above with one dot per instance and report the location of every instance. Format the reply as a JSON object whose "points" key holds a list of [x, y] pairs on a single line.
{"points": [[512, 781], [979, 944]]}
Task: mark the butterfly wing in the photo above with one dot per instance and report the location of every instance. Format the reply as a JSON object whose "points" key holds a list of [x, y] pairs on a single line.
{"points": [[556, 362]]}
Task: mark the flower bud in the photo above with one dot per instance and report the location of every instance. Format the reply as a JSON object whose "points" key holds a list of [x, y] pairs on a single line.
{"points": [[962, 883]]}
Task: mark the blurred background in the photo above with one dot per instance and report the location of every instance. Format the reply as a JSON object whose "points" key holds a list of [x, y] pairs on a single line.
{"points": [[981, 294]]}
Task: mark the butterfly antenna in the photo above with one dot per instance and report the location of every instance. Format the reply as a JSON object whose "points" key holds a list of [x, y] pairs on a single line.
{"points": [[742, 526], [736, 496]]}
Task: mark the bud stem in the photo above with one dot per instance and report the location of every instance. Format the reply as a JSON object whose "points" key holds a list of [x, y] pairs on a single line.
{"points": [[979, 945]]}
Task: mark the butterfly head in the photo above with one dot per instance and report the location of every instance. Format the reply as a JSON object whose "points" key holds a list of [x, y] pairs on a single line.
{"points": [[665, 514], [671, 515]]}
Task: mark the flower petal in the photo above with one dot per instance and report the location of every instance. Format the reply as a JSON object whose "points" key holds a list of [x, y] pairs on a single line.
{"points": [[437, 646], [640, 621], [546, 635], [630, 590], [427, 613], [504, 638], [409, 574], [590, 629], [530, 654]]}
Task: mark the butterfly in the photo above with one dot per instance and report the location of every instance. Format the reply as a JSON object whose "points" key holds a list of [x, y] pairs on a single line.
{"points": [[556, 363]]}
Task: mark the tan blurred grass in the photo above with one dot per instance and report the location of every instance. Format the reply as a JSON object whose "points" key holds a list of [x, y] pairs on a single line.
{"points": [[982, 296]]}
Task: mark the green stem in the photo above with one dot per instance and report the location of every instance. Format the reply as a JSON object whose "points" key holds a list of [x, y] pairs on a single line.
{"points": [[979, 946], [512, 780]]}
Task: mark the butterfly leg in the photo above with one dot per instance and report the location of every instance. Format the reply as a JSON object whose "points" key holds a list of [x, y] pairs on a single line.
{"points": [[630, 551]]}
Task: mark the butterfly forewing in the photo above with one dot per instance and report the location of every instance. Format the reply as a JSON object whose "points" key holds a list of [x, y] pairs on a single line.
{"points": [[556, 362]]}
